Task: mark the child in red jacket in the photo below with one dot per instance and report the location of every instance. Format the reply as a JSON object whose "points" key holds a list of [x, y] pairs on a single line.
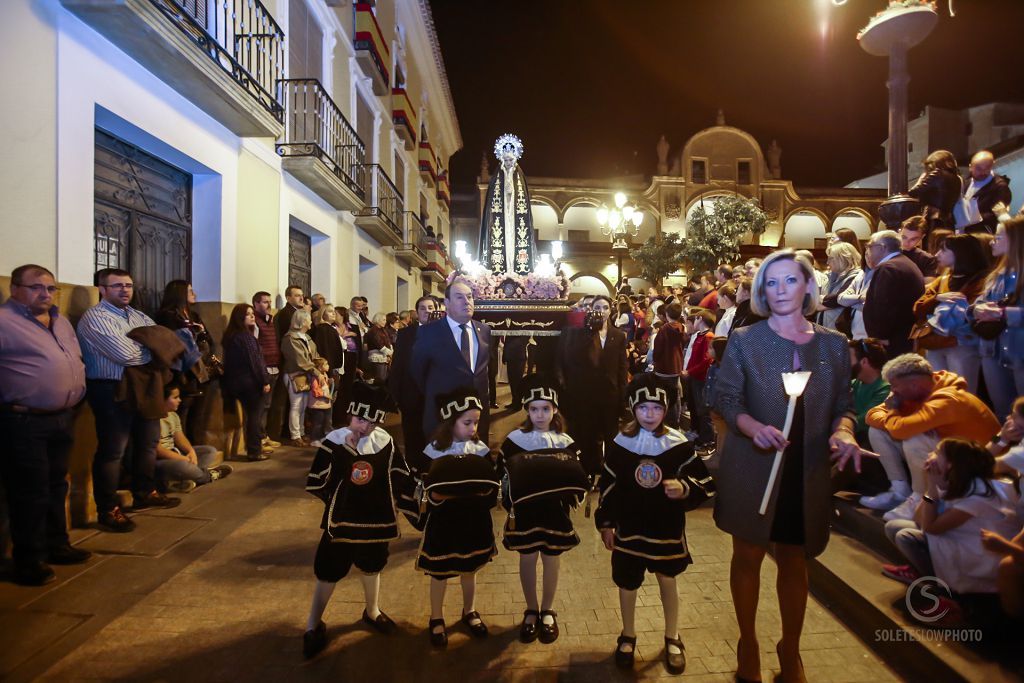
{"points": [[696, 362]]}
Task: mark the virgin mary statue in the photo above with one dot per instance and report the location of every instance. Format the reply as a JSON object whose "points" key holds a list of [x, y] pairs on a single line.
{"points": [[507, 243]]}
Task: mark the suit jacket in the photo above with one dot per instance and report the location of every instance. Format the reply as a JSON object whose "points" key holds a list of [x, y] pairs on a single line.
{"points": [[438, 367], [400, 380], [589, 373], [889, 306]]}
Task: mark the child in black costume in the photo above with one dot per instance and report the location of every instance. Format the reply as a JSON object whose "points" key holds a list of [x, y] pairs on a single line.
{"points": [[542, 522], [458, 536], [651, 478], [361, 477]]}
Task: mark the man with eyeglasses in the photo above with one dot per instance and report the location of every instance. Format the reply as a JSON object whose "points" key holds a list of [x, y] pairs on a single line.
{"points": [[107, 350], [42, 379]]}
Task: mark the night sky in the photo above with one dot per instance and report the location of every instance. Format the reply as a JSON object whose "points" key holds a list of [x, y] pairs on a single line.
{"points": [[590, 85]]}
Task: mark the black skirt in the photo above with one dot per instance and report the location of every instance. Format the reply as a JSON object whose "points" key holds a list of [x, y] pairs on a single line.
{"points": [[540, 525], [458, 537], [788, 523]]}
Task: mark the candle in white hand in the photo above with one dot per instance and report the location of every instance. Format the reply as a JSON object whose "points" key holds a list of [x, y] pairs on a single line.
{"points": [[794, 383]]}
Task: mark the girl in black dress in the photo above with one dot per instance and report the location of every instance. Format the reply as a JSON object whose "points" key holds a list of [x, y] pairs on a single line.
{"points": [[540, 523], [459, 491]]}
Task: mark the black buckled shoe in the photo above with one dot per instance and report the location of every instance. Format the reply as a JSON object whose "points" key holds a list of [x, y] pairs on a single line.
{"points": [[479, 628], [625, 659], [382, 623], [313, 642], [548, 632], [675, 663], [438, 639], [528, 631], [67, 554]]}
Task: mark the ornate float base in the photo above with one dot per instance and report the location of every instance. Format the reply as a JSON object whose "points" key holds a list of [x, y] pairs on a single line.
{"points": [[523, 317]]}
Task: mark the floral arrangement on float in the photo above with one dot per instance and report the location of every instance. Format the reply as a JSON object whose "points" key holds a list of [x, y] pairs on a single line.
{"points": [[897, 7], [535, 286]]}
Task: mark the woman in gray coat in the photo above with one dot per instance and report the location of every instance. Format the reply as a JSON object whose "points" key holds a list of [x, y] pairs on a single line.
{"points": [[749, 395]]}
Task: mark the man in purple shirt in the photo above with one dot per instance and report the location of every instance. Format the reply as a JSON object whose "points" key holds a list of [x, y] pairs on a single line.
{"points": [[42, 379]]}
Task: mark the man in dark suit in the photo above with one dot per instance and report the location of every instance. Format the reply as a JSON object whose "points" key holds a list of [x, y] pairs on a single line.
{"points": [[591, 368], [896, 283], [450, 353], [515, 360], [403, 387]]}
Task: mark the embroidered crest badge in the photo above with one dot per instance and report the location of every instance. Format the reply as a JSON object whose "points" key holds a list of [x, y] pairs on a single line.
{"points": [[362, 473], [648, 474]]}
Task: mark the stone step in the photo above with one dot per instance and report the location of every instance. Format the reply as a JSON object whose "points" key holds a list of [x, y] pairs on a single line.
{"points": [[847, 580]]}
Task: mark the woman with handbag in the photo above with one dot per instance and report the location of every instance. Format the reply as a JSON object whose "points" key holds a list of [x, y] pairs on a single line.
{"points": [[245, 376], [327, 335], [998, 319], [379, 350], [963, 257], [298, 353]]}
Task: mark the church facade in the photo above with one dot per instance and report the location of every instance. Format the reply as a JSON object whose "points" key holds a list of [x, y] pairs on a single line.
{"points": [[718, 161]]}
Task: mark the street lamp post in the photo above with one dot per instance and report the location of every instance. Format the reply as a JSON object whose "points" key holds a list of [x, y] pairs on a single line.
{"points": [[620, 223]]}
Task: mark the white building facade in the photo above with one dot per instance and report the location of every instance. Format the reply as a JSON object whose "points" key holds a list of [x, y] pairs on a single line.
{"points": [[240, 145]]}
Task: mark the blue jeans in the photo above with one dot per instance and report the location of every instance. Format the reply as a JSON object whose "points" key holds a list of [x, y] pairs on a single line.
{"points": [[912, 543], [183, 470], [116, 426], [34, 468]]}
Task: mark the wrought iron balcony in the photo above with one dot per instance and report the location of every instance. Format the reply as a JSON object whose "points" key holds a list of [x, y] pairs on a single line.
{"points": [[320, 147], [428, 164], [372, 51], [225, 56], [403, 115], [444, 190], [414, 241], [382, 215]]}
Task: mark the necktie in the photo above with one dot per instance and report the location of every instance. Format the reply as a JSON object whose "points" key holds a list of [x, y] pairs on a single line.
{"points": [[464, 345]]}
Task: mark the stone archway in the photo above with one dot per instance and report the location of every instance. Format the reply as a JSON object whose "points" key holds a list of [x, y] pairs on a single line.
{"points": [[590, 282]]}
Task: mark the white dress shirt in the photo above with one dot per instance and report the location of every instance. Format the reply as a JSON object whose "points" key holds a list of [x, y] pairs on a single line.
{"points": [[457, 333]]}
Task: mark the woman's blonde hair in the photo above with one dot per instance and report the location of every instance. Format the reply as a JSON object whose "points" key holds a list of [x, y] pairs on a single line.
{"points": [[318, 314], [845, 254], [758, 299]]}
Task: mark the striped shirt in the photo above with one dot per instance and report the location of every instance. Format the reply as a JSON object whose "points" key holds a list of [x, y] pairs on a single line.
{"points": [[106, 348]]}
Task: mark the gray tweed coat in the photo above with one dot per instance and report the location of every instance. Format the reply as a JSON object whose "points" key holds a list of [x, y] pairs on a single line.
{"points": [[750, 381]]}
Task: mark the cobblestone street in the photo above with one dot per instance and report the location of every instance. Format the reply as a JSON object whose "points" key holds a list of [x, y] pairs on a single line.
{"points": [[218, 590]]}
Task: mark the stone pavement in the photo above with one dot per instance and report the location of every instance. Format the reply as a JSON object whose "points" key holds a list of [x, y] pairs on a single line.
{"points": [[218, 590]]}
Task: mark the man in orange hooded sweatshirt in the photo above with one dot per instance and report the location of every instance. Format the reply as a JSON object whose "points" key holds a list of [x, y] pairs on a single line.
{"points": [[923, 408]]}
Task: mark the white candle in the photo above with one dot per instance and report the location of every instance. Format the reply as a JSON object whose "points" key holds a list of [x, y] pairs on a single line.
{"points": [[794, 383]]}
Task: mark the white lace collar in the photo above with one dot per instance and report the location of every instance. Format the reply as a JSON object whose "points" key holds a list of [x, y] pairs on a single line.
{"points": [[374, 442], [646, 443], [535, 440], [457, 448]]}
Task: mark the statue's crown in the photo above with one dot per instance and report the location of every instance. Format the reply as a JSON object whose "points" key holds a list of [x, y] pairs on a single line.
{"points": [[508, 144]]}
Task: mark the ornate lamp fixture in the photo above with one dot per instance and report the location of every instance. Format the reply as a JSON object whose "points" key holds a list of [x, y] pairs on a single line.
{"points": [[620, 222]]}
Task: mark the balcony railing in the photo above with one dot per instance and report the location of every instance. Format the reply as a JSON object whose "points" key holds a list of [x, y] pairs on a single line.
{"points": [[403, 115], [414, 241], [314, 126], [371, 49], [444, 189], [428, 163], [384, 201], [241, 37]]}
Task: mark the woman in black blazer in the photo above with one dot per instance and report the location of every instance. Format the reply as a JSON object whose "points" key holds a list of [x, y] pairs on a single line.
{"points": [[327, 337]]}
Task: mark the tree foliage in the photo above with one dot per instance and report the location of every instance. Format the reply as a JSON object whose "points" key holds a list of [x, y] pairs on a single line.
{"points": [[659, 256], [713, 237]]}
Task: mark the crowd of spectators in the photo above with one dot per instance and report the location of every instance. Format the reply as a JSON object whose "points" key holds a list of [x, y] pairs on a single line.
{"points": [[149, 382], [932, 313]]}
